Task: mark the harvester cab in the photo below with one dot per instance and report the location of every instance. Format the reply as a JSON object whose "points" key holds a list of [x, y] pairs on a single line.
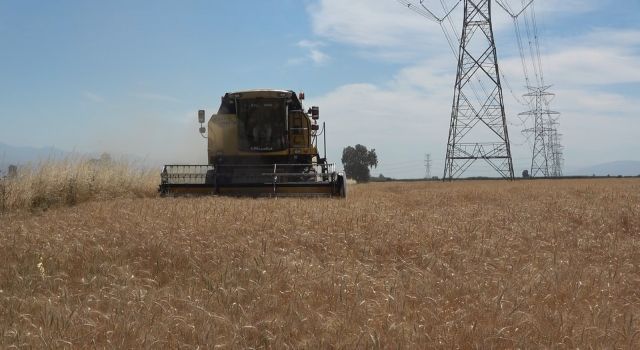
{"points": [[259, 143]]}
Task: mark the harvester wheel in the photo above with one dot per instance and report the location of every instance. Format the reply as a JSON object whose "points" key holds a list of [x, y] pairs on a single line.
{"points": [[342, 186]]}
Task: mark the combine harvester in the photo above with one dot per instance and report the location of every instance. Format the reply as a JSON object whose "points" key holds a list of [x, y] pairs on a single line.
{"points": [[260, 143]]}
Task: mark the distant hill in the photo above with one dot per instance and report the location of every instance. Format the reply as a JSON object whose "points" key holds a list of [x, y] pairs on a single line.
{"points": [[621, 167], [21, 155]]}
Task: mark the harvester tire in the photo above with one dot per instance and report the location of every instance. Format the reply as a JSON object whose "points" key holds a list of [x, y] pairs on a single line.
{"points": [[342, 186]]}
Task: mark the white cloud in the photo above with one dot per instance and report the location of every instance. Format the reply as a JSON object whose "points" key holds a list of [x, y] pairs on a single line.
{"points": [[409, 115], [93, 97], [629, 38], [373, 25], [362, 22], [318, 57], [387, 30], [598, 103], [400, 120], [596, 60], [550, 8], [314, 53], [309, 44]]}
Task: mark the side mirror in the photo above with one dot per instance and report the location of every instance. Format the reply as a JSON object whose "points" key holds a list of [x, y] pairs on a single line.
{"points": [[201, 116]]}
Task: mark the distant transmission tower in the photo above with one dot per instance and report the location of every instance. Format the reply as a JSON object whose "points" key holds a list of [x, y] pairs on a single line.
{"points": [[427, 166], [478, 128], [545, 142], [556, 157], [546, 157]]}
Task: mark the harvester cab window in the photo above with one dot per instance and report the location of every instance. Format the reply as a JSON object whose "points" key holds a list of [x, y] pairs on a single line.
{"points": [[227, 107], [261, 124]]}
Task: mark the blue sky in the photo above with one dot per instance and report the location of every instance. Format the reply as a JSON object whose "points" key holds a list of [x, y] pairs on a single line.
{"points": [[127, 77]]}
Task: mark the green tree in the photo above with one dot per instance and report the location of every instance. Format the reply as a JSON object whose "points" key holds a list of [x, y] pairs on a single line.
{"points": [[357, 161]]}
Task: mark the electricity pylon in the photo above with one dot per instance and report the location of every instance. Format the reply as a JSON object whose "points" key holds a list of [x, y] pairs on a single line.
{"points": [[478, 128], [427, 166], [545, 141], [556, 150], [546, 157]]}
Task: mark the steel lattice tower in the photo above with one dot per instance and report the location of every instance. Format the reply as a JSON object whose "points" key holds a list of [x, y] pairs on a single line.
{"points": [[478, 128], [427, 166], [545, 143], [556, 150]]}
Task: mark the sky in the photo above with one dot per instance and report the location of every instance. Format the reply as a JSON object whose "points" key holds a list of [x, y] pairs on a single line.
{"points": [[127, 77]]}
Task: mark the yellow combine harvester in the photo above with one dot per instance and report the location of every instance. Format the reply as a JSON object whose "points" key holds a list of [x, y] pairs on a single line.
{"points": [[260, 143]]}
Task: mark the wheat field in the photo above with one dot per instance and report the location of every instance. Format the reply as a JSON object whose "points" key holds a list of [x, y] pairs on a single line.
{"points": [[484, 264], [54, 183]]}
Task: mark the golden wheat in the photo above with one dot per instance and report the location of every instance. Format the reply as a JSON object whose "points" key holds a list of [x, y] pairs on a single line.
{"points": [[74, 180], [528, 264]]}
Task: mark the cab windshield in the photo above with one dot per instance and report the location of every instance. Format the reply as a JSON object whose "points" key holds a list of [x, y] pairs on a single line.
{"points": [[261, 124]]}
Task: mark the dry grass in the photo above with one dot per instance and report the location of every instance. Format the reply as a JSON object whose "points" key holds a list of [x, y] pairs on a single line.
{"points": [[537, 264], [72, 181]]}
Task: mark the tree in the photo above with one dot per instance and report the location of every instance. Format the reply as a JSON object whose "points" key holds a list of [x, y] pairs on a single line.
{"points": [[104, 160], [357, 161]]}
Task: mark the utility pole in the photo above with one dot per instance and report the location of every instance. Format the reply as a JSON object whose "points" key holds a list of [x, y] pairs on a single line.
{"points": [[427, 166], [478, 128]]}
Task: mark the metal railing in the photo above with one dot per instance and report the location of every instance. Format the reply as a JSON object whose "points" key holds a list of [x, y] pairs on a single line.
{"points": [[176, 174], [185, 174]]}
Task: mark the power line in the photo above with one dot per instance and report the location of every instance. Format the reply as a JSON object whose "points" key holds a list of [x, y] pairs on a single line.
{"points": [[546, 156], [510, 11], [424, 11], [478, 98]]}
